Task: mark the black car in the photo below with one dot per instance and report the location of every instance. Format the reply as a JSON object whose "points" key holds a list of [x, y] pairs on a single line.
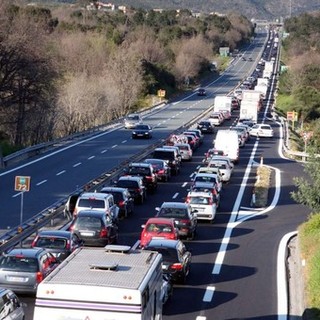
{"points": [[135, 186], [122, 198], [95, 228], [142, 131], [176, 259], [160, 168], [60, 243], [184, 217], [201, 92], [144, 170], [205, 126], [170, 156]]}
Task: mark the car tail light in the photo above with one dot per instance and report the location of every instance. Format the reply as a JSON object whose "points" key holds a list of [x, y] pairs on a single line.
{"points": [[188, 199], [68, 245], [39, 277], [176, 266], [210, 202], [75, 212], [103, 233], [34, 242], [161, 171], [138, 190], [149, 178], [185, 222], [121, 203]]}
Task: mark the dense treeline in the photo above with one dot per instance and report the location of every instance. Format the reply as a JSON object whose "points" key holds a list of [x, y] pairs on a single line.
{"points": [[67, 69], [300, 85]]}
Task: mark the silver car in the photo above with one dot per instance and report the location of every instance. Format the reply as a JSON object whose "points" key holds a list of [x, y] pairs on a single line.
{"points": [[21, 270], [131, 120], [10, 306]]}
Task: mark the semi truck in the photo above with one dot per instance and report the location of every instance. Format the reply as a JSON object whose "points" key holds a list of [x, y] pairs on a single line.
{"points": [[113, 282]]}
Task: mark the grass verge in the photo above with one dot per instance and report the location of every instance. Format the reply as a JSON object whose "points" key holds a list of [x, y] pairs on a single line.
{"points": [[309, 238], [261, 185]]}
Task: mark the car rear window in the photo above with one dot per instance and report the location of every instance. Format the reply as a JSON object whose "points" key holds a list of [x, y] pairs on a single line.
{"points": [[166, 155], [127, 184], [205, 179], [159, 228], [19, 263], [139, 171], [91, 203], [173, 213], [199, 200], [168, 254], [51, 243], [117, 196], [87, 223]]}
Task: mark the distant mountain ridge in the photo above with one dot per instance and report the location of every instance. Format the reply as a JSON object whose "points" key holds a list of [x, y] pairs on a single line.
{"points": [[257, 9]]}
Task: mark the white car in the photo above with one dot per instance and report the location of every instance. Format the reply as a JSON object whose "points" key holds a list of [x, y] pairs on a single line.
{"points": [[185, 151], [223, 158], [224, 167], [261, 130], [215, 171], [204, 204], [132, 120]]}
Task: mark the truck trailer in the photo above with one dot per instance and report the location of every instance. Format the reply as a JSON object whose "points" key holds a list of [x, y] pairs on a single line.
{"points": [[114, 282]]}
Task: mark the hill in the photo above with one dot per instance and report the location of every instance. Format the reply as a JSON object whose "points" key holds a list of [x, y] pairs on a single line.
{"points": [[258, 9]]}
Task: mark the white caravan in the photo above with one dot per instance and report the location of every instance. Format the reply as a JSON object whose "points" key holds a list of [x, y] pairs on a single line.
{"points": [[114, 282]]}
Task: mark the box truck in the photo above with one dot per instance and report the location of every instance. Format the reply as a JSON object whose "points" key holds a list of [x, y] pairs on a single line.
{"points": [[227, 140], [249, 110], [222, 103], [114, 282]]}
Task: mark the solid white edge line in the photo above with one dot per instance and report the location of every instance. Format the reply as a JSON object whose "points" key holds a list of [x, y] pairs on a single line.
{"points": [[201, 318], [282, 290]]}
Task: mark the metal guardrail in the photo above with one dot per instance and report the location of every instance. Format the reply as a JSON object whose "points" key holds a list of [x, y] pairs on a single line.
{"points": [[56, 211]]}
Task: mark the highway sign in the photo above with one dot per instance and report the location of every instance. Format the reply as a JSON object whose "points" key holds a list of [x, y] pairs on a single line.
{"points": [[22, 183]]}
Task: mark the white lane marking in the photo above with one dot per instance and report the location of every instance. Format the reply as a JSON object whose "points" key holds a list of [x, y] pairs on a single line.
{"points": [[281, 276], [17, 194], [104, 151], [114, 146], [175, 195], [77, 164], [201, 318], [91, 157], [208, 295], [41, 182], [184, 184], [124, 141], [192, 174], [61, 172]]}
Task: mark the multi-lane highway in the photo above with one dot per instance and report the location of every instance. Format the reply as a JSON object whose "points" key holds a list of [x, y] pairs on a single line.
{"points": [[234, 265]]}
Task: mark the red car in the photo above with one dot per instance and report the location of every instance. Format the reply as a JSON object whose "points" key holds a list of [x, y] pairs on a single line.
{"points": [[158, 228]]}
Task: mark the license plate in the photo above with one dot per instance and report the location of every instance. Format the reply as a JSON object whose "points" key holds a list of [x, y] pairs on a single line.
{"points": [[16, 279], [140, 134], [199, 209], [87, 234]]}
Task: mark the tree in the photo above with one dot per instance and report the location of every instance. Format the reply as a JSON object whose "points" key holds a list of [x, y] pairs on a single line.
{"points": [[308, 192]]}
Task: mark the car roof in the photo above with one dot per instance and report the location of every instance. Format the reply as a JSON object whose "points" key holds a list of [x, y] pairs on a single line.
{"points": [[26, 252], [114, 189], [140, 164], [54, 233], [94, 195], [91, 213], [167, 243], [160, 220], [174, 205], [131, 178], [200, 194]]}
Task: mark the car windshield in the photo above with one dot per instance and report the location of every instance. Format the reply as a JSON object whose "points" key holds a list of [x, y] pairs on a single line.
{"points": [[19, 263], [133, 117], [91, 203], [142, 127], [173, 213], [51, 243]]}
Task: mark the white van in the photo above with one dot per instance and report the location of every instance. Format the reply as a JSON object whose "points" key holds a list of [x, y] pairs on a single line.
{"points": [[227, 140]]}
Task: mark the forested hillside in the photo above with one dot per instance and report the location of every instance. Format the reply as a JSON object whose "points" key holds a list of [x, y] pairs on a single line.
{"points": [[300, 85], [258, 9], [66, 69]]}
